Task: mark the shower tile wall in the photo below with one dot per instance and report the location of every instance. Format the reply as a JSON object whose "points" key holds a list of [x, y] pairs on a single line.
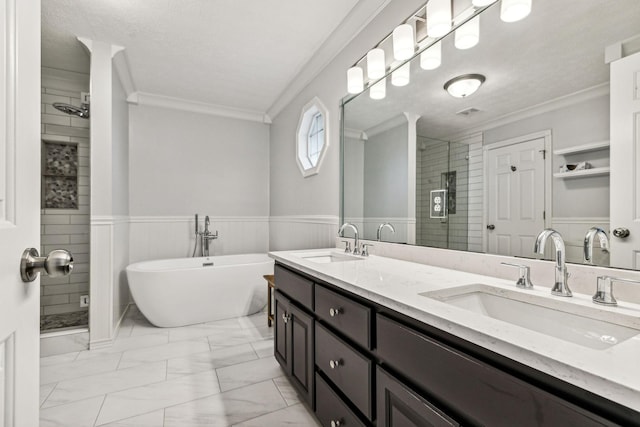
{"points": [[66, 228], [433, 159]]}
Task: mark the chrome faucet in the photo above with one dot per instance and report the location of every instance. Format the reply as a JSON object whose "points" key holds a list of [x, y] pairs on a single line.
{"points": [[207, 236], [588, 243], [560, 287], [356, 243], [383, 225]]}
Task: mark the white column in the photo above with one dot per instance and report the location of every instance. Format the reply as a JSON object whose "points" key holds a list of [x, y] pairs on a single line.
{"points": [[412, 137]]}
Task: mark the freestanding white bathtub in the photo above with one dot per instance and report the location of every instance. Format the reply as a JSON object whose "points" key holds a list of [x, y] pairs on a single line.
{"points": [[184, 291]]}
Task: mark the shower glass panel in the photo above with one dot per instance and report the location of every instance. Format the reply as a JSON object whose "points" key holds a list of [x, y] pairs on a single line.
{"points": [[442, 170]]}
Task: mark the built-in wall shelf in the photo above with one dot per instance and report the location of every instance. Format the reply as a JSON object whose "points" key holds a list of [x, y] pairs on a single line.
{"points": [[583, 173], [584, 148]]}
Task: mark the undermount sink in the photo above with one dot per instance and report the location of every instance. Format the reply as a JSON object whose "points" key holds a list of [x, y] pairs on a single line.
{"points": [[328, 257], [556, 317]]}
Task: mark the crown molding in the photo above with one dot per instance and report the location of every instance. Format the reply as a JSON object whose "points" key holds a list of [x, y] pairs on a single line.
{"points": [[162, 101], [356, 20]]}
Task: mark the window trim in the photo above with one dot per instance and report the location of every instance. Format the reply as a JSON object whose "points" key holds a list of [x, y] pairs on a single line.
{"points": [[307, 115]]}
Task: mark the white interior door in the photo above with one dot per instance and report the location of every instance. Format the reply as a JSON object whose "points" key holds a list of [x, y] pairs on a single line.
{"points": [[19, 209], [516, 197], [625, 161]]}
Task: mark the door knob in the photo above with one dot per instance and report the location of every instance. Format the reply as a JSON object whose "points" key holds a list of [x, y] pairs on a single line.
{"points": [[491, 227], [58, 263], [621, 232]]}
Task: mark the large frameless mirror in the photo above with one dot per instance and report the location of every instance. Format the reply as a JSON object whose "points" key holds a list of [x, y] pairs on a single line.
{"points": [[487, 171]]}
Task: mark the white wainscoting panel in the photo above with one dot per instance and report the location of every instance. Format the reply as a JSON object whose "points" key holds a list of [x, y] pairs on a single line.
{"points": [[302, 232], [162, 237]]}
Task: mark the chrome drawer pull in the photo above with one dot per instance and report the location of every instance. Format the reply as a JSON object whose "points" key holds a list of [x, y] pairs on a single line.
{"points": [[286, 317], [334, 363], [336, 423], [333, 312]]}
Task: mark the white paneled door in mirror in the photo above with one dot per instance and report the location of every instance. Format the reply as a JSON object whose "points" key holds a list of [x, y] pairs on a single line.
{"points": [[625, 161], [20, 208]]}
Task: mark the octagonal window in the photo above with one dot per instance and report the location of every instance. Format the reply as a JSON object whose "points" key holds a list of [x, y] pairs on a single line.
{"points": [[312, 141]]}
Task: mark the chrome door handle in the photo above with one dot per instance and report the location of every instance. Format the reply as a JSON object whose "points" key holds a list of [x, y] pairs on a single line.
{"points": [[621, 232], [286, 317], [58, 263]]}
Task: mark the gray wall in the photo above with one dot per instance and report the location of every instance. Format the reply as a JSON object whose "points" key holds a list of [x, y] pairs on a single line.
{"points": [[386, 174], [577, 124], [293, 195], [182, 163]]}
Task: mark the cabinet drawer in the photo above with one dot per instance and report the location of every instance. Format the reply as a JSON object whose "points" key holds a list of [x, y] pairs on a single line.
{"points": [[345, 315], [476, 391], [329, 407], [398, 405], [351, 372], [296, 287]]}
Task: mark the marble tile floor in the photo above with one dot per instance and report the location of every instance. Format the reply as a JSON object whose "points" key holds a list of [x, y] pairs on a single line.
{"points": [[212, 374]]}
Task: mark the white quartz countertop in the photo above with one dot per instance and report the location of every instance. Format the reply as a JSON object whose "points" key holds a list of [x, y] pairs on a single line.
{"points": [[613, 373]]}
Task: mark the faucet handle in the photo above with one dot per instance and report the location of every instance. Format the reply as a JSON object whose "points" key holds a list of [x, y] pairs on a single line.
{"points": [[365, 249], [524, 279], [347, 246], [604, 290]]}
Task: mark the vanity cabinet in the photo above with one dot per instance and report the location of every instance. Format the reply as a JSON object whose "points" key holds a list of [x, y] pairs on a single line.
{"points": [[357, 363], [294, 345], [399, 406]]}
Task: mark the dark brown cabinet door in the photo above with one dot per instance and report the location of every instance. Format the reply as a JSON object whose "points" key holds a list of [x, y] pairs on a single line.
{"points": [[294, 345], [302, 353], [399, 406], [281, 341]]}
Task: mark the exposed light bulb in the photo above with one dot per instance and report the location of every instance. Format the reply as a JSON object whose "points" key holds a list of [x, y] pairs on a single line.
{"points": [[438, 18], [431, 58], [402, 75], [514, 10], [378, 90], [355, 80], [403, 42], [468, 35], [376, 67]]}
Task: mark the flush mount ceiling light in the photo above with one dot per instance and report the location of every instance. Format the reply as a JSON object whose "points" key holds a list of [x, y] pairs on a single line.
{"points": [[431, 58], [403, 42], [464, 85], [514, 10], [438, 18], [355, 80], [468, 35], [401, 76], [378, 90], [376, 67]]}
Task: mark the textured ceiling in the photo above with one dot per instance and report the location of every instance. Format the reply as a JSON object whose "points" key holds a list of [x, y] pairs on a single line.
{"points": [[239, 54], [556, 51]]}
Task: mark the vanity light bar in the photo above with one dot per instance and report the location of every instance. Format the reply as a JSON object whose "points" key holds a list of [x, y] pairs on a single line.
{"points": [[437, 14]]}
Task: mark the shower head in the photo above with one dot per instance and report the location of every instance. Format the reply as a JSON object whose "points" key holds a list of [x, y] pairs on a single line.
{"points": [[82, 112]]}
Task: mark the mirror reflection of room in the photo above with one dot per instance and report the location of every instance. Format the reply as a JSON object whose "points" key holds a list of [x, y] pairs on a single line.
{"points": [[529, 150]]}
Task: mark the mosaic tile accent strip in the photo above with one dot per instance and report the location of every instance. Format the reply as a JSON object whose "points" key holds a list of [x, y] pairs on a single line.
{"points": [[61, 159], [65, 320], [60, 170], [60, 192]]}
